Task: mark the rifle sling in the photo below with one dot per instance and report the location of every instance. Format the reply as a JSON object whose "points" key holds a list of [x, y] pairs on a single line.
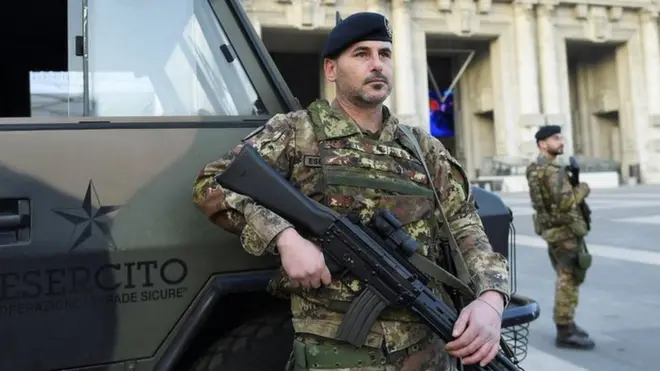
{"points": [[358, 313], [461, 268], [439, 275]]}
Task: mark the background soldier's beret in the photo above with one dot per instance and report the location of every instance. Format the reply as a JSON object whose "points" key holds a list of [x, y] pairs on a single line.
{"points": [[358, 27], [547, 131]]}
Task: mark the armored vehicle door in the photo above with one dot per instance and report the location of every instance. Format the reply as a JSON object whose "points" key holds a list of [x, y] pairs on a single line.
{"points": [[103, 257]]}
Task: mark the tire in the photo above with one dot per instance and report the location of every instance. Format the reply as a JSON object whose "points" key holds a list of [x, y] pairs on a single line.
{"points": [[261, 344]]}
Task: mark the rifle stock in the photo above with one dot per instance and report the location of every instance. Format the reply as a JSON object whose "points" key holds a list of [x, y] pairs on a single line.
{"points": [[377, 254], [250, 175]]}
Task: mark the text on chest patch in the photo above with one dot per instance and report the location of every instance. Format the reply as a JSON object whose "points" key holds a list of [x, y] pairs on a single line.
{"points": [[312, 161]]}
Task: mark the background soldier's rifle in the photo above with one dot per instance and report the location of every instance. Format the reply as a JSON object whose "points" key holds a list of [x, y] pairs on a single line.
{"points": [[573, 170]]}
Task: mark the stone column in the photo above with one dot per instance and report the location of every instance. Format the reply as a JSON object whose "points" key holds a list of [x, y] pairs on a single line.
{"points": [[404, 77], [649, 153], [651, 50], [563, 115], [421, 77], [500, 90], [554, 86], [526, 73], [633, 117], [526, 61], [547, 45]]}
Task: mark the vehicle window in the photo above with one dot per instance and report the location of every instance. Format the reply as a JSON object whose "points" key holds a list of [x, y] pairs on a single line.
{"points": [[146, 58]]}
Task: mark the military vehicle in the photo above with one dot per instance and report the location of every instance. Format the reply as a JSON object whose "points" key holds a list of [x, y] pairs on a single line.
{"points": [[105, 264]]}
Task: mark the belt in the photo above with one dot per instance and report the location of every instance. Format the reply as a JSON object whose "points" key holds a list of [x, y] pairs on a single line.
{"points": [[347, 356]]}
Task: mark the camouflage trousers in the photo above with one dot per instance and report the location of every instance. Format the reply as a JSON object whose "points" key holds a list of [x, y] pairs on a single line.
{"points": [[562, 256], [314, 353]]}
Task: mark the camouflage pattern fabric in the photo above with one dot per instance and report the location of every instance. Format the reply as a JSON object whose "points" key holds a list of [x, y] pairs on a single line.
{"points": [[555, 201], [327, 157], [566, 288], [558, 221], [312, 353]]}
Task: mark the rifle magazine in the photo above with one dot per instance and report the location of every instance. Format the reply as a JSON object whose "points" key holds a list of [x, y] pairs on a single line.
{"points": [[361, 315]]}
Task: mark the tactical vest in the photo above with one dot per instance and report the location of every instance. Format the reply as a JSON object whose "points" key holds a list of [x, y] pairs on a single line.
{"points": [[363, 174], [385, 175], [549, 222]]}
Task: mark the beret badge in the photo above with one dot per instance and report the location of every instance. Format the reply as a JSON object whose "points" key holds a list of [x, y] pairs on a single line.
{"points": [[388, 27]]}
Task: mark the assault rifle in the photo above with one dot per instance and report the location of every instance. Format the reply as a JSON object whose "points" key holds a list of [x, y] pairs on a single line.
{"points": [[378, 254], [573, 170]]}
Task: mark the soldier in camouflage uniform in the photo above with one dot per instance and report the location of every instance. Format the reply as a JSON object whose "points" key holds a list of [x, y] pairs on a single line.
{"points": [[558, 221], [348, 155]]}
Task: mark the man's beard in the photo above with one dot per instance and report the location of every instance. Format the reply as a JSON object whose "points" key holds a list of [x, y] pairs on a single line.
{"points": [[360, 97], [364, 99], [556, 152]]}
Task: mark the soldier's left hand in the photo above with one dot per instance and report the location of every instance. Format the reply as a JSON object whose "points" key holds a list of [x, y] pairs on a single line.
{"points": [[477, 331]]}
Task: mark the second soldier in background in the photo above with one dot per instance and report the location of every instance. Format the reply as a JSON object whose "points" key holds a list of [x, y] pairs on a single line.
{"points": [[557, 219]]}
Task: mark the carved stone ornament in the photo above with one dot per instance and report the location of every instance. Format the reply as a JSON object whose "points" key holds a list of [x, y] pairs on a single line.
{"points": [[484, 6], [463, 19], [650, 13], [597, 21], [444, 5], [310, 11], [616, 13], [546, 10]]}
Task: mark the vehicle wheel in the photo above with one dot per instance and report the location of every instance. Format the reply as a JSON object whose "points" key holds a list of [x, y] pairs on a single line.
{"points": [[261, 344]]}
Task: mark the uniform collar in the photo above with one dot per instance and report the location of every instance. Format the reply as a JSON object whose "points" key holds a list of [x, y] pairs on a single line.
{"points": [[344, 125], [543, 160]]}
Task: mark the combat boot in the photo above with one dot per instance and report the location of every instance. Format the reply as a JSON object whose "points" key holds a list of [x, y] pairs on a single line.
{"points": [[569, 337], [580, 331]]}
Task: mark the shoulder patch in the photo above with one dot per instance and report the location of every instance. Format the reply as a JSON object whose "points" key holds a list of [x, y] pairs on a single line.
{"points": [[254, 132], [312, 161]]}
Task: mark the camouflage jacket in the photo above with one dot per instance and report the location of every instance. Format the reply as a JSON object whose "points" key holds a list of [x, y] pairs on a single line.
{"points": [[555, 201], [328, 157]]}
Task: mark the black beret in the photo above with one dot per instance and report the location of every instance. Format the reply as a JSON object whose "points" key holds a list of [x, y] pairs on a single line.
{"points": [[358, 27], [547, 131]]}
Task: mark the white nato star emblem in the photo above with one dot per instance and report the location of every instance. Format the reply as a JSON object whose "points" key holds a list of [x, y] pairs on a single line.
{"points": [[88, 215]]}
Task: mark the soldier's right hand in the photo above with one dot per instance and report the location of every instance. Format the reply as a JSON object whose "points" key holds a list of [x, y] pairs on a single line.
{"points": [[302, 260]]}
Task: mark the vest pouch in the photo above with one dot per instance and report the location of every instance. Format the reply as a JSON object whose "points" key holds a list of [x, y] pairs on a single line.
{"points": [[584, 260], [298, 358], [578, 228], [583, 263]]}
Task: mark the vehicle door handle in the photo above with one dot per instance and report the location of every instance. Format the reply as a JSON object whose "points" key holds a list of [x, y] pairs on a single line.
{"points": [[15, 220]]}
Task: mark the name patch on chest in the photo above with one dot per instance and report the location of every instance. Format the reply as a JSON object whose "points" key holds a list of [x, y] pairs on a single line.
{"points": [[312, 161]]}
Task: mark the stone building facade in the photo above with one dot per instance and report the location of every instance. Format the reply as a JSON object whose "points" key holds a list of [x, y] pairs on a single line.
{"points": [[591, 66]]}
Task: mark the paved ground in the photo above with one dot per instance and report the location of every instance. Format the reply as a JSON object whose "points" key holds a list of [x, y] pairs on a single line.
{"points": [[619, 302]]}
